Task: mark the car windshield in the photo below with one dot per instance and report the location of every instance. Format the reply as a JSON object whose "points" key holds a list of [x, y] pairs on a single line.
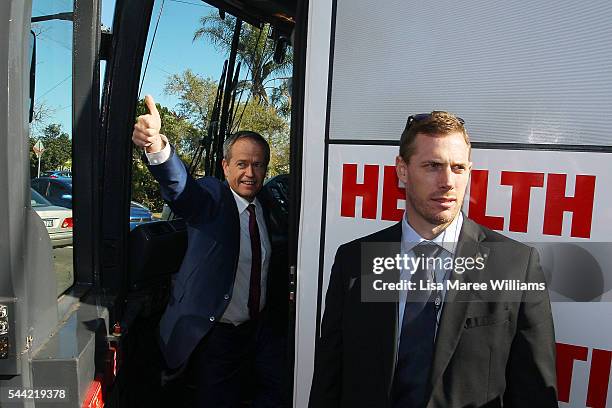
{"points": [[37, 200]]}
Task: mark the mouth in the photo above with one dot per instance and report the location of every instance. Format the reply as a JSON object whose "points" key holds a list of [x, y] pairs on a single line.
{"points": [[445, 202], [249, 183]]}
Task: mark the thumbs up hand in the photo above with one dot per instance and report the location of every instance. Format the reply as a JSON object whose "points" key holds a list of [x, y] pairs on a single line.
{"points": [[146, 130]]}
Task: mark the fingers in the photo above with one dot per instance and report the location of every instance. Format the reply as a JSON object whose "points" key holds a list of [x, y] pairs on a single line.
{"points": [[144, 127], [148, 122], [151, 105], [139, 137], [143, 141], [151, 144], [139, 140], [143, 136], [151, 120], [147, 127]]}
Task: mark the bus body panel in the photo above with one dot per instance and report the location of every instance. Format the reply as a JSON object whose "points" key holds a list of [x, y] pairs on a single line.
{"points": [[519, 74]]}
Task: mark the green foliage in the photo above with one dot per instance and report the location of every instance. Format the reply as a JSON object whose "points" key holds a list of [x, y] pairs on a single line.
{"points": [[281, 98], [186, 126], [255, 50], [269, 107], [184, 137], [196, 96], [251, 115], [145, 189], [58, 150], [177, 127], [266, 121]]}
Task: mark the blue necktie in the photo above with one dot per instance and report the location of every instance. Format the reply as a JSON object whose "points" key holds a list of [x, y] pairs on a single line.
{"points": [[416, 347]]}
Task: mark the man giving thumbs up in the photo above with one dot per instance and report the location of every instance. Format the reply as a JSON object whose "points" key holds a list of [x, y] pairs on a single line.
{"points": [[216, 315]]}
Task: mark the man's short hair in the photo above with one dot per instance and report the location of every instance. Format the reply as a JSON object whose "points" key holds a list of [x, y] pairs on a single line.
{"points": [[437, 122], [245, 134]]}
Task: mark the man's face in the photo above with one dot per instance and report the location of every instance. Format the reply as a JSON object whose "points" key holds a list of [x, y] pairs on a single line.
{"points": [[436, 177], [246, 168]]}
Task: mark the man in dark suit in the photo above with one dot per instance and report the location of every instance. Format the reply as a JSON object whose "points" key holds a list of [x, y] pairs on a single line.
{"points": [[442, 346], [216, 315]]}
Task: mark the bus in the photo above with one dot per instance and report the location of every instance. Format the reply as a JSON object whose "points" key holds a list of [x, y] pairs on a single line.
{"points": [[531, 80]]}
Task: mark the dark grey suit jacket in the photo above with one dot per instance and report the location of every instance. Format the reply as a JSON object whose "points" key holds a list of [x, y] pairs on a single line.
{"points": [[488, 352]]}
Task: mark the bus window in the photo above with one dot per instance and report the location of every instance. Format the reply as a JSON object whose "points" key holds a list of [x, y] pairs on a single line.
{"points": [[51, 129], [183, 68]]}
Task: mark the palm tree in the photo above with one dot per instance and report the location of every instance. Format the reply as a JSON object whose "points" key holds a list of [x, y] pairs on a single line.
{"points": [[255, 51]]}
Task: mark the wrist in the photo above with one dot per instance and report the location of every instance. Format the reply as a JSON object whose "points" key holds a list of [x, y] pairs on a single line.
{"points": [[158, 146]]}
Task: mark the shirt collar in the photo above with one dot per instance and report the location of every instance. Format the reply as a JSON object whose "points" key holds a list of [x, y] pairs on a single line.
{"points": [[447, 239], [242, 203]]}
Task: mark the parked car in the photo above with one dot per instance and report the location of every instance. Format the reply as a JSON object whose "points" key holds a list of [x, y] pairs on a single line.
{"points": [[139, 214], [57, 173], [58, 220], [58, 190]]}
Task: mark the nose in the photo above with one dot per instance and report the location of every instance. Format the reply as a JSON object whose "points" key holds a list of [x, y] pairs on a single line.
{"points": [[446, 178], [249, 171]]}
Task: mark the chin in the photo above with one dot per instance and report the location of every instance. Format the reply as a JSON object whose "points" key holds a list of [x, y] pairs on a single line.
{"points": [[442, 218], [249, 196]]}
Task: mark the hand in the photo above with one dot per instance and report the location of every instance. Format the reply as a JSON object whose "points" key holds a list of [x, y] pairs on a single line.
{"points": [[146, 130]]}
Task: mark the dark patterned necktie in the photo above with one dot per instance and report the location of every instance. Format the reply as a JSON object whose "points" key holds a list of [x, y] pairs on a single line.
{"points": [[416, 347], [255, 282]]}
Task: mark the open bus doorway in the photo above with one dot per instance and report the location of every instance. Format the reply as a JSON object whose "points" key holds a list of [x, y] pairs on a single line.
{"points": [[249, 85]]}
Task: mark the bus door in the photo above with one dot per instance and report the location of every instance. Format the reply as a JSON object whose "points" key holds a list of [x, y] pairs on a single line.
{"points": [[135, 56]]}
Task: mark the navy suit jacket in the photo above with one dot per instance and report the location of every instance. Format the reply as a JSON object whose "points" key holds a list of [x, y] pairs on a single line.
{"points": [[203, 286]]}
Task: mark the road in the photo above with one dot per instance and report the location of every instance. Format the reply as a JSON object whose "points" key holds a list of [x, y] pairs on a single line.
{"points": [[63, 265]]}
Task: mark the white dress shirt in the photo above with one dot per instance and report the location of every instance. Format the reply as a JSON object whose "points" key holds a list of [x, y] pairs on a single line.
{"points": [[237, 311], [159, 157], [447, 239]]}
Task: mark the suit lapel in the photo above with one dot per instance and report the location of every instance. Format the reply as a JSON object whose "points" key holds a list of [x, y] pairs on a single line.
{"points": [[389, 344], [235, 223], [456, 302], [387, 315]]}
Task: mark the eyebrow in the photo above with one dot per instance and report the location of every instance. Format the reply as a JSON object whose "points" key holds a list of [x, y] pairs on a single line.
{"points": [[433, 161]]}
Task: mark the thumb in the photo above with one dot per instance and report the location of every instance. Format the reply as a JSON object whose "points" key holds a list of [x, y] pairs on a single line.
{"points": [[151, 105]]}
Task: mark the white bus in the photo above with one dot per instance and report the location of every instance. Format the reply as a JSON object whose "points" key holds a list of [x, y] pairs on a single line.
{"points": [[532, 81]]}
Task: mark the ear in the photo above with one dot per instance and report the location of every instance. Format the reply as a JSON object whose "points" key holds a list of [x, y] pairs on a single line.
{"points": [[401, 168], [225, 165]]}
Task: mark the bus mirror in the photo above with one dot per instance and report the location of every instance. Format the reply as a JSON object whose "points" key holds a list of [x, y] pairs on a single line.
{"points": [[280, 49]]}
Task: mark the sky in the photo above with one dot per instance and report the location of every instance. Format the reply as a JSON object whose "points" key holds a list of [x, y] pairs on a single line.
{"points": [[173, 52]]}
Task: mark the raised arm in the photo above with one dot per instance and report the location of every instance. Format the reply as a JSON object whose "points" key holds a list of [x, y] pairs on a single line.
{"points": [[187, 198]]}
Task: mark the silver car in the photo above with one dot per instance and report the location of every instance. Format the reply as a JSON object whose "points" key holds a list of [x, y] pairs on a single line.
{"points": [[58, 220]]}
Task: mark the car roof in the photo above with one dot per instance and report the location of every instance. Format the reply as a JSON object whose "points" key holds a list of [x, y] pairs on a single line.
{"points": [[61, 180], [56, 172]]}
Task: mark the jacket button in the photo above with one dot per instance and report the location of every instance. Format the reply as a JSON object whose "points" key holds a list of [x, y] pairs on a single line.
{"points": [[226, 296], [211, 318]]}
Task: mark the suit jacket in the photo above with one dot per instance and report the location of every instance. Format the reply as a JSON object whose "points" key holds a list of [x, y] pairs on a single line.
{"points": [[487, 353], [202, 288]]}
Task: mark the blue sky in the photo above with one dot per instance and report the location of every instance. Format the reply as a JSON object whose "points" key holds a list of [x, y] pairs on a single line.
{"points": [[174, 49], [173, 52]]}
